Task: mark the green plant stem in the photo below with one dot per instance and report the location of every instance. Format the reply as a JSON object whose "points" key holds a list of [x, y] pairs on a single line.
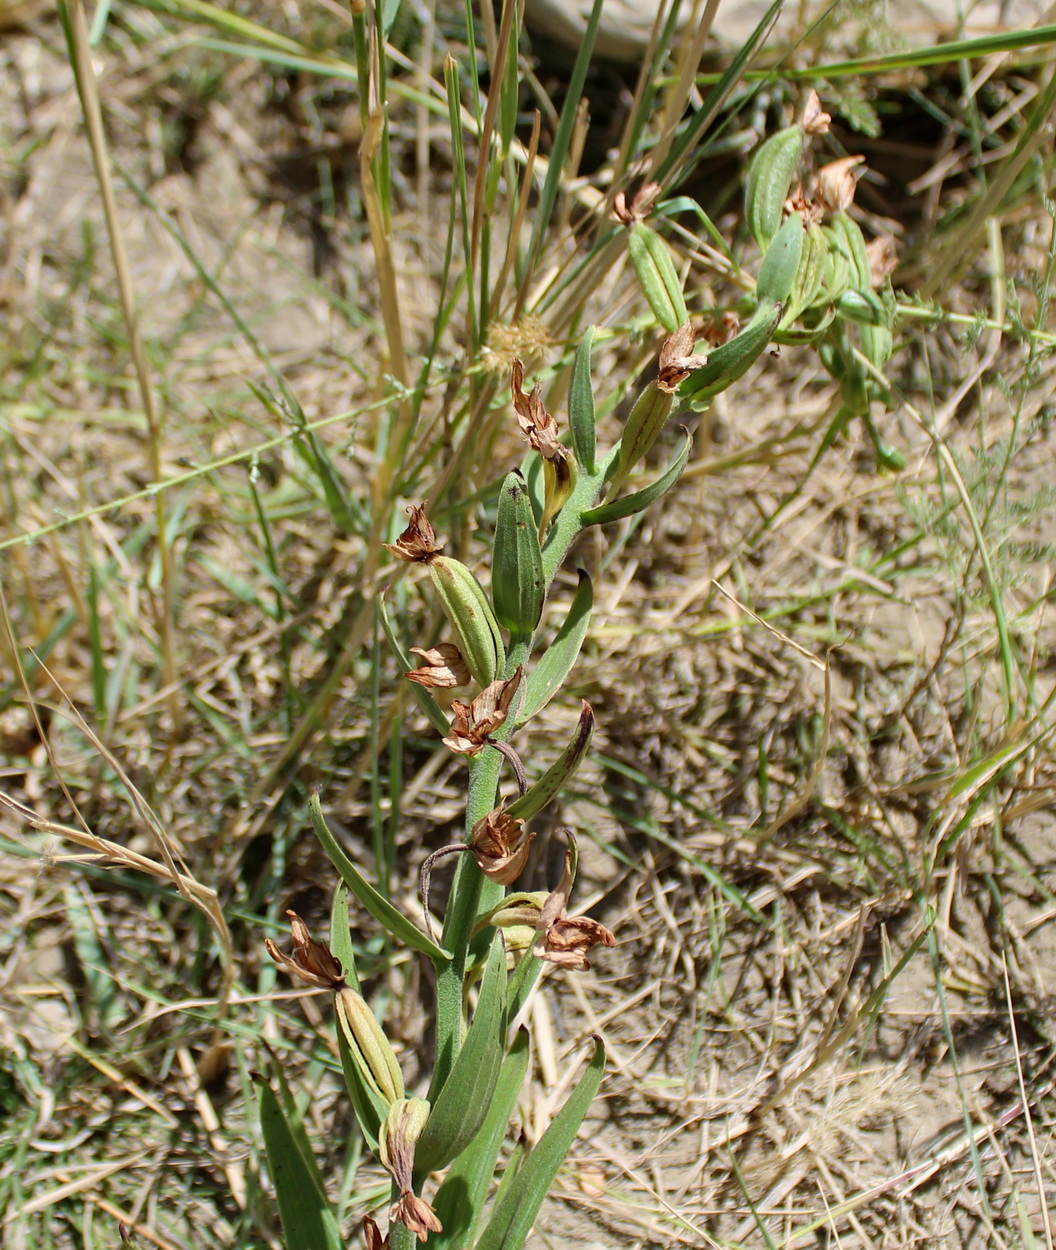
{"points": [[471, 893]]}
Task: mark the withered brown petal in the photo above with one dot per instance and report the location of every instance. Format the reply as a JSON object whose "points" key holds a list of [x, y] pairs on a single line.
{"points": [[417, 543], [416, 1214], [444, 667]]}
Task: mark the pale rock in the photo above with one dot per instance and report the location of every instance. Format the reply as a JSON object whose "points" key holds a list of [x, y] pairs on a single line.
{"points": [[626, 24]]}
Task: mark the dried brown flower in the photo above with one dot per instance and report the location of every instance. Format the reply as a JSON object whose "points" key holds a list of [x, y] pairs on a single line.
{"points": [[677, 359], [311, 960], [640, 207], [883, 258], [444, 667], [416, 1214], [836, 183], [473, 722], [811, 211], [537, 425], [500, 846], [372, 1235], [417, 543], [565, 940], [396, 1146], [814, 120]]}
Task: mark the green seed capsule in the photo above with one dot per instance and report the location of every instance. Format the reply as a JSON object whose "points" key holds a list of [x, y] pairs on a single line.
{"points": [[656, 274], [733, 359], [467, 608], [769, 181], [371, 1050]]}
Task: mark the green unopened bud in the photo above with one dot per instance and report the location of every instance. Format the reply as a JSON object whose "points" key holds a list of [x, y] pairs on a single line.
{"points": [[371, 1049], [467, 608]]}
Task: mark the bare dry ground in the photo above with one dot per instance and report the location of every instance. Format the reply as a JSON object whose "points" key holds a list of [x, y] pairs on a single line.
{"points": [[818, 814]]}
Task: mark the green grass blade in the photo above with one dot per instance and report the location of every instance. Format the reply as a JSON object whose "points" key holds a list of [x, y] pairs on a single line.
{"points": [[307, 1219]]}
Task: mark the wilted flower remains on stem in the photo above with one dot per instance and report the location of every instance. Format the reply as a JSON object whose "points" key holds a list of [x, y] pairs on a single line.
{"points": [[417, 543], [474, 722], [500, 846], [399, 1135], [444, 667], [565, 940], [311, 960]]}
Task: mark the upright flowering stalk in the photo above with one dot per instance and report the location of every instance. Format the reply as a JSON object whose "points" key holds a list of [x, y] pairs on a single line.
{"points": [[509, 656]]}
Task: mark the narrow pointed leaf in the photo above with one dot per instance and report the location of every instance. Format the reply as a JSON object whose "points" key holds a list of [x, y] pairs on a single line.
{"points": [[516, 1209], [460, 1199], [308, 1221], [461, 1106], [380, 908], [641, 499], [553, 780], [557, 660], [341, 937], [517, 562], [582, 421]]}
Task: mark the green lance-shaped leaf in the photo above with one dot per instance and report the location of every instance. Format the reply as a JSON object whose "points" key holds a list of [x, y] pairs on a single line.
{"points": [[557, 660], [461, 1106], [777, 275], [466, 606], [380, 908], [518, 1205], [769, 181], [517, 563], [554, 779], [641, 499], [733, 359], [582, 421], [656, 276], [308, 1221], [341, 937], [460, 1199]]}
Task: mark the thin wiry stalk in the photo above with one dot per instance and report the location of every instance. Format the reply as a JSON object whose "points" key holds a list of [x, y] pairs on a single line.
{"points": [[88, 89]]}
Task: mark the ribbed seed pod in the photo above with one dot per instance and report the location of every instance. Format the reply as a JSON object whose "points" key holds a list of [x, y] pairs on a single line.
{"points": [[656, 274], [466, 606], [733, 359], [371, 1050], [769, 181]]}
